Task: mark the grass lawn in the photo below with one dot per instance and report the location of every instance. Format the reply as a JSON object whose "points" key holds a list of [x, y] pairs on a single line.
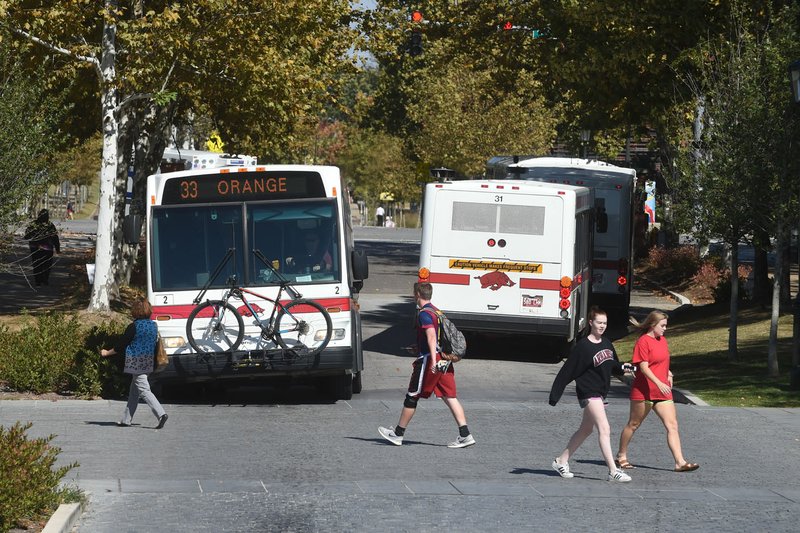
{"points": [[698, 341]]}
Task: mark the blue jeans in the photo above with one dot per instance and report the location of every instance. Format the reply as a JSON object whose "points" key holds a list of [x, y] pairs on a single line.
{"points": [[140, 388]]}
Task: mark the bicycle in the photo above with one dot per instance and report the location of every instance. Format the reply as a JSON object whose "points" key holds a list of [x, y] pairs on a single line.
{"points": [[302, 327]]}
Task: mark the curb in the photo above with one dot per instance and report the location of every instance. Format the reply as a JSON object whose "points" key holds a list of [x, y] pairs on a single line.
{"points": [[64, 519]]}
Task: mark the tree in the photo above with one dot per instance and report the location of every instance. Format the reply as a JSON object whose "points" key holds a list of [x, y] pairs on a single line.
{"points": [[474, 91], [29, 139], [738, 173], [258, 72], [463, 119]]}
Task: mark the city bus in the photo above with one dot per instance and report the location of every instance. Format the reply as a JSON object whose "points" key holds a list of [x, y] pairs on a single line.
{"points": [[614, 190], [509, 257], [232, 219]]}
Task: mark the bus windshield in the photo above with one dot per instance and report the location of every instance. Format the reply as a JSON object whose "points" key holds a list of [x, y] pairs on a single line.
{"points": [[298, 238]]}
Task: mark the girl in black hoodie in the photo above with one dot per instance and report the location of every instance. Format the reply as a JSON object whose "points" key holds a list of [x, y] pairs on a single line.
{"points": [[590, 365]]}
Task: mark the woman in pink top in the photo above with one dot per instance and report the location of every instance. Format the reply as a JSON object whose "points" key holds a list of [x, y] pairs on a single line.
{"points": [[652, 391]]}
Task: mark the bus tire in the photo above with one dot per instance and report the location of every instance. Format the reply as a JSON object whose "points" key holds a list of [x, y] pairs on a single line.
{"points": [[341, 386], [357, 383], [222, 332]]}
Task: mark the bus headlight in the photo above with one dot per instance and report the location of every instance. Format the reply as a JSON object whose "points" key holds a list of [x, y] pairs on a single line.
{"points": [[336, 335], [173, 342]]}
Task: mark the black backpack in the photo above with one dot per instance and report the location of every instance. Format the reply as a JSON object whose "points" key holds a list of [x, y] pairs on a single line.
{"points": [[451, 340]]}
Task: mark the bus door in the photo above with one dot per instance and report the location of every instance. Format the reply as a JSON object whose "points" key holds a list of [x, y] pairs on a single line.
{"points": [[612, 244], [490, 252]]}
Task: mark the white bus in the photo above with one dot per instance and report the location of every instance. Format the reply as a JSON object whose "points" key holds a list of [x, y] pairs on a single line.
{"points": [[509, 257], [252, 215], [614, 190]]}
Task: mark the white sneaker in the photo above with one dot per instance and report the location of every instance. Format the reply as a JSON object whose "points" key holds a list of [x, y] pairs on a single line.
{"points": [[390, 435], [619, 476], [462, 442], [563, 470]]}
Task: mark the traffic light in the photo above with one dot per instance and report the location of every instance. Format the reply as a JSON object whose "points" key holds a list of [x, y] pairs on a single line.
{"points": [[415, 41], [415, 44]]}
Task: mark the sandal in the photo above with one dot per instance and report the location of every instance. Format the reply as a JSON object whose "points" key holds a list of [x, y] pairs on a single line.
{"points": [[687, 467], [624, 464]]}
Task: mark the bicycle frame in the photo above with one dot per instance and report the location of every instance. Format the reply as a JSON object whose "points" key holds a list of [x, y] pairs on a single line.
{"points": [[265, 325]]}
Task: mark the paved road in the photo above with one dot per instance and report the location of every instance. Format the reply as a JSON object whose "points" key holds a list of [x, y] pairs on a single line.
{"points": [[264, 459]]}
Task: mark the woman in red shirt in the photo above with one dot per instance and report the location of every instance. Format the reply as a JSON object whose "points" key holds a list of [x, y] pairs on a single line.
{"points": [[652, 390]]}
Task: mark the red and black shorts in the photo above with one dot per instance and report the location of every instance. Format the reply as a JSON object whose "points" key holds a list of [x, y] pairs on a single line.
{"points": [[425, 382]]}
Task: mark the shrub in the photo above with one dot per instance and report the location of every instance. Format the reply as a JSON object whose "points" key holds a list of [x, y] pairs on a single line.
{"points": [[58, 354], [716, 281], [29, 486], [708, 277], [723, 290], [674, 263]]}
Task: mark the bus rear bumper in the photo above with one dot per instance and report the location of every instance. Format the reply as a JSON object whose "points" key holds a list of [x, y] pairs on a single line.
{"points": [[245, 365], [481, 323]]}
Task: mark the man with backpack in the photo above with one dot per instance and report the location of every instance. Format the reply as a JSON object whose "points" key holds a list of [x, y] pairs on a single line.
{"points": [[432, 374]]}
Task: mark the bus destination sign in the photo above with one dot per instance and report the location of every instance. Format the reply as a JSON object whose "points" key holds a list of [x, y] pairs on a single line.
{"points": [[242, 187]]}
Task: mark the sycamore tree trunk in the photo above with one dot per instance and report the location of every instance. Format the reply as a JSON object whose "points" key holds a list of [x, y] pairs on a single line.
{"points": [[144, 133], [772, 352], [733, 351], [104, 251]]}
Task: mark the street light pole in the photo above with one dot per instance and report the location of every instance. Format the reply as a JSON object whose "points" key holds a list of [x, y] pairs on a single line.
{"points": [[586, 135]]}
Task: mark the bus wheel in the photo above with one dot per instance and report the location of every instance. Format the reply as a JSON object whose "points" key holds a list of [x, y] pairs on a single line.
{"points": [[341, 387], [357, 383]]}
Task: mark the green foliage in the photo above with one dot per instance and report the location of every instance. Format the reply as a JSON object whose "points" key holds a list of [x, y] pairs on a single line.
{"points": [[374, 163], [58, 354], [739, 176], [474, 92], [463, 118], [29, 483], [28, 138]]}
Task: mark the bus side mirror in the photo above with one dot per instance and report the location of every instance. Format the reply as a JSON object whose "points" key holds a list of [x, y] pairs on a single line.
{"points": [[132, 229], [360, 265], [602, 221]]}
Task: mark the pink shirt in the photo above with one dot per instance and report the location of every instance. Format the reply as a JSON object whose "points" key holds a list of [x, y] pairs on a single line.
{"points": [[655, 353]]}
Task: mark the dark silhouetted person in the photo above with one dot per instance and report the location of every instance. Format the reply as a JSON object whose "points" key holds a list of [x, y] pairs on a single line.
{"points": [[314, 257], [43, 242]]}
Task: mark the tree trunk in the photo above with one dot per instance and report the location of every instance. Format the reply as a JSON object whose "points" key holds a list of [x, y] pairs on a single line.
{"points": [[733, 351], [761, 283], [104, 248], [772, 352]]}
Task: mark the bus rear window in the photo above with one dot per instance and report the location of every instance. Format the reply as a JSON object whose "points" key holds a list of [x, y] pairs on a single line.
{"points": [[513, 219]]}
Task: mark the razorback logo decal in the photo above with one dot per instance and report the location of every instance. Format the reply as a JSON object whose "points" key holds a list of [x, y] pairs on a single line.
{"points": [[495, 280]]}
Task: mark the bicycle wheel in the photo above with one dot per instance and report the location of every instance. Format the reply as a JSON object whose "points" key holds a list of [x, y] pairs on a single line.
{"points": [[303, 327], [214, 326]]}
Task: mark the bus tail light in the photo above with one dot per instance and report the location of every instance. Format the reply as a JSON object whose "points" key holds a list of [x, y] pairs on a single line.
{"points": [[565, 292], [622, 281], [424, 275]]}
